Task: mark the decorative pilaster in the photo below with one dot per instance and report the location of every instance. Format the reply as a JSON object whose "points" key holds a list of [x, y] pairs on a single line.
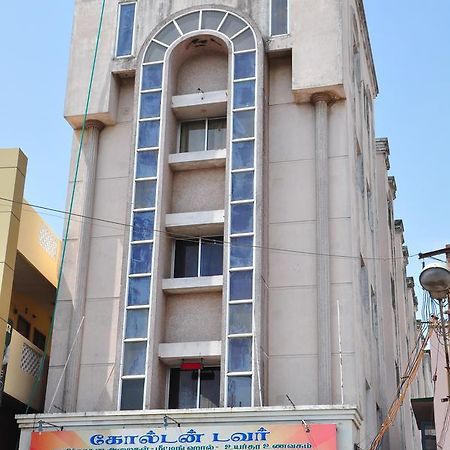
{"points": [[85, 201], [323, 249]]}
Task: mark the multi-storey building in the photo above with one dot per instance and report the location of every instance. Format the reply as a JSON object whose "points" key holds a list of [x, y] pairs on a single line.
{"points": [[29, 261], [238, 264]]}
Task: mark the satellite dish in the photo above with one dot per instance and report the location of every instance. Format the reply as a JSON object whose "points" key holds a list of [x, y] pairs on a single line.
{"points": [[435, 278]]}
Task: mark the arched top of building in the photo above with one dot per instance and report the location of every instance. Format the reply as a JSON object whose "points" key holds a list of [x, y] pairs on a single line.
{"points": [[228, 25]]}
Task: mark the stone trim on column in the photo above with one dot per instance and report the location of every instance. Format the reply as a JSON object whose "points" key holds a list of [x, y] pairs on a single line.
{"points": [[86, 201], [321, 101]]}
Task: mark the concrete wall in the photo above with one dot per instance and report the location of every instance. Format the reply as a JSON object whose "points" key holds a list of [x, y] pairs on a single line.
{"points": [[193, 317], [321, 32], [189, 187], [292, 311], [103, 287]]}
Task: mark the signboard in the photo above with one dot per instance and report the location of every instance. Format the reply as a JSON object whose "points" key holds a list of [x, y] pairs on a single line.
{"points": [[221, 437]]}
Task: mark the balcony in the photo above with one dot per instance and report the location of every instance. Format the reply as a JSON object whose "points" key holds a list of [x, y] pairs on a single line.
{"points": [[200, 104], [175, 353], [197, 223], [192, 285], [198, 160], [22, 373]]}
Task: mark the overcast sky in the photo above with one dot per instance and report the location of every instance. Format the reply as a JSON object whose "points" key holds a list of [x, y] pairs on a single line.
{"points": [[410, 42]]}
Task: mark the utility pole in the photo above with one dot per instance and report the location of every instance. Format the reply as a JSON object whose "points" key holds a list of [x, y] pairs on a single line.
{"points": [[444, 322]]}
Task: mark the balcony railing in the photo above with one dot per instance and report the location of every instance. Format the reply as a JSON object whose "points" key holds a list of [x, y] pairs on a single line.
{"points": [[22, 374]]}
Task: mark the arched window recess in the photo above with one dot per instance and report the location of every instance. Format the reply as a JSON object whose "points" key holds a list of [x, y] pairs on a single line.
{"points": [[232, 36]]}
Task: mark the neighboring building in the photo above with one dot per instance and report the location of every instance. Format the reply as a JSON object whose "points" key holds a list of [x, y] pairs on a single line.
{"points": [[29, 261], [432, 408], [441, 380], [440, 402], [238, 141], [422, 405]]}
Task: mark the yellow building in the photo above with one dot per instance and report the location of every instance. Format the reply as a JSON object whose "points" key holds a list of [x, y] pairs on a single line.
{"points": [[29, 261]]}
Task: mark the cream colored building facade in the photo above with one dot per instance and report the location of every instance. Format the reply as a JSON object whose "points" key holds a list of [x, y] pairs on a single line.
{"points": [[244, 206], [29, 263]]}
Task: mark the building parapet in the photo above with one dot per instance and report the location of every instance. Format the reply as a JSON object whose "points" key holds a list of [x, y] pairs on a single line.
{"points": [[366, 43], [405, 251], [392, 186], [399, 225], [382, 146]]}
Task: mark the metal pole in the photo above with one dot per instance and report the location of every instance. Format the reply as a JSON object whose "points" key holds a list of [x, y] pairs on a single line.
{"points": [[341, 365], [447, 359]]}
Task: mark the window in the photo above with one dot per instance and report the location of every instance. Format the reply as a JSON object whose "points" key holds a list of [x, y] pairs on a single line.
{"points": [[200, 135], [39, 339], [199, 388], [198, 257], [239, 391], [132, 393], [279, 17], [23, 327], [125, 29]]}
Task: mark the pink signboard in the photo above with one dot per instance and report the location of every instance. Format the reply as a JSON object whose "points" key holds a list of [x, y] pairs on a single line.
{"points": [[220, 437]]}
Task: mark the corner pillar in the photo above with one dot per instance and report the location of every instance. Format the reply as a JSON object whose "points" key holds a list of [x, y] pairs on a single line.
{"points": [[321, 102], [88, 163]]}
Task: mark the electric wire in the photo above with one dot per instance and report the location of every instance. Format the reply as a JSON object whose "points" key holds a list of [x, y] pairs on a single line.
{"points": [[434, 378], [430, 304], [412, 356], [437, 259], [398, 402], [38, 378], [189, 238], [80, 218], [406, 383], [416, 349]]}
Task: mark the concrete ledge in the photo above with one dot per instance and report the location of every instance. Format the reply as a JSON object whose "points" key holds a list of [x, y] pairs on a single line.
{"points": [[124, 67], [199, 105], [196, 223], [176, 351], [109, 419], [279, 45], [198, 160], [303, 94], [192, 284]]}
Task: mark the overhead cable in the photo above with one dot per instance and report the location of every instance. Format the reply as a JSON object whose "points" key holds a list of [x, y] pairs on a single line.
{"points": [[206, 239]]}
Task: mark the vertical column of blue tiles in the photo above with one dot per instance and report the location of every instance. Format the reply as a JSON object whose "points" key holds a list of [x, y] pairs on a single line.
{"points": [[241, 286], [134, 365]]}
